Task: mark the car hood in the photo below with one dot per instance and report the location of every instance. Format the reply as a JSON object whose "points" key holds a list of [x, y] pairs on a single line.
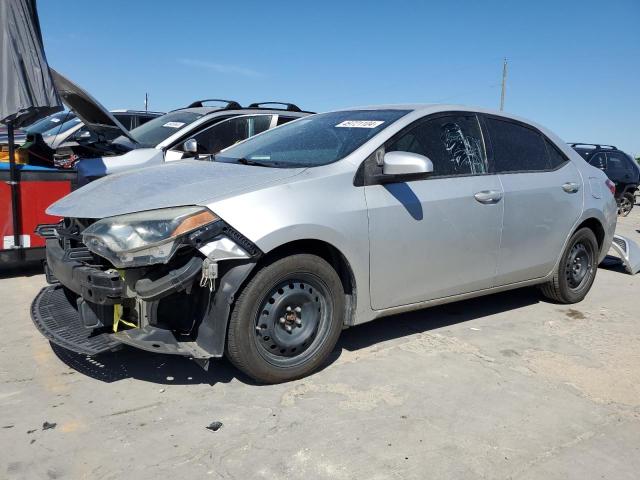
{"points": [[99, 167], [88, 109], [186, 182]]}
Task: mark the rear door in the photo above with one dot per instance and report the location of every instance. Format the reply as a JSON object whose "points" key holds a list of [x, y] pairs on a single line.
{"points": [[438, 236], [543, 198]]}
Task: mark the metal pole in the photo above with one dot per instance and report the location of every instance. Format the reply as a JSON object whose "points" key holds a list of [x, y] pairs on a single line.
{"points": [[146, 102], [504, 84], [13, 182]]}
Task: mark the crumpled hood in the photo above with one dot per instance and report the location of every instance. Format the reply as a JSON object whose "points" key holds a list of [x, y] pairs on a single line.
{"points": [[185, 182]]}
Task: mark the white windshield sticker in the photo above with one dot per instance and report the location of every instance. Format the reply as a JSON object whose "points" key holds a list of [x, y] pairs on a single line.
{"points": [[360, 123], [173, 124]]}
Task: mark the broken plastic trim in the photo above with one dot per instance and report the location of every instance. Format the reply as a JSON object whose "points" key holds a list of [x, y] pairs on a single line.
{"points": [[629, 253]]}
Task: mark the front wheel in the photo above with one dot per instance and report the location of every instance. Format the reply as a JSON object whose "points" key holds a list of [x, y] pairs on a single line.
{"points": [[576, 271], [287, 319]]}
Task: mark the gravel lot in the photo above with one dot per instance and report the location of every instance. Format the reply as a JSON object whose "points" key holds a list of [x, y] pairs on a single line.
{"points": [[506, 386]]}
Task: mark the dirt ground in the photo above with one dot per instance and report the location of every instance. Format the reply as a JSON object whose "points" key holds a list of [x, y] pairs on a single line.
{"points": [[506, 386]]}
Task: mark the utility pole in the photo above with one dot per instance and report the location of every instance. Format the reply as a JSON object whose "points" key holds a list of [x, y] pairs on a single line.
{"points": [[504, 83], [146, 102]]}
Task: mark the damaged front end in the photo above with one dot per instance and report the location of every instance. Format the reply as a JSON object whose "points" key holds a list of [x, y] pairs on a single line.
{"points": [[162, 280]]}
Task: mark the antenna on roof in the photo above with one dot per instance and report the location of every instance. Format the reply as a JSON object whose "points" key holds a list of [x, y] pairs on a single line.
{"points": [[146, 102]]}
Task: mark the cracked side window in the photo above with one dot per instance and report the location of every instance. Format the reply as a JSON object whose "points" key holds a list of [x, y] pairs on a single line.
{"points": [[453, 143]]}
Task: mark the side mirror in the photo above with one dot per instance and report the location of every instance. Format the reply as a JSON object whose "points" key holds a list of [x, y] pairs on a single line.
{"points": [[190, 147], [406, 164]]}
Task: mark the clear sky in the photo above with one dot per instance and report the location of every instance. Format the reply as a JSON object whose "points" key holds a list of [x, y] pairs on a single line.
{"points": [[574, 65]]}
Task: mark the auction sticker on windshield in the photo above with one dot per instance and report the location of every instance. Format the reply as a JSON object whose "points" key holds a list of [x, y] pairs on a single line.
{"points": [[360, 123], [174, 124]]}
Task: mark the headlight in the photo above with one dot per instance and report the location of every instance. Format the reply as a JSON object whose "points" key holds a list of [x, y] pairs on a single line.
{"points": [[144, 238]]}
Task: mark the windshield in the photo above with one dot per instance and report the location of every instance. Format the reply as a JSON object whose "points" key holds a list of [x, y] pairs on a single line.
{"points": [[50, 122], [63, 127], [312, 141], [159, 129]]}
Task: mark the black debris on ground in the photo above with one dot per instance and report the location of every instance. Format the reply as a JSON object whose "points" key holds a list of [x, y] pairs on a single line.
{"points": [[214, 426], [48, 426]]}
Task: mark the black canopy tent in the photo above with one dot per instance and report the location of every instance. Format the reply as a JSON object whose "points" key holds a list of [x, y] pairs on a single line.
{"points": [[27, 92]]}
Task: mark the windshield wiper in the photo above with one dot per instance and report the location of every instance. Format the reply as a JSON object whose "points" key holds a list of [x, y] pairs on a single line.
{"points": [[258, 163]]}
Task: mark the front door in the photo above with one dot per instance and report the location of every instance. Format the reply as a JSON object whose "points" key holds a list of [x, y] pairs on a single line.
{"points": [[439, 236]]}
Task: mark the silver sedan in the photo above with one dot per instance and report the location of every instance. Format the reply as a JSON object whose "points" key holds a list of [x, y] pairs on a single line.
{"points": [[266, 253]]}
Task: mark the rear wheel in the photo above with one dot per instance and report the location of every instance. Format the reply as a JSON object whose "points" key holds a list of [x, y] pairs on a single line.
{"points": [[576, 271], [287, 319], [625, 204]]}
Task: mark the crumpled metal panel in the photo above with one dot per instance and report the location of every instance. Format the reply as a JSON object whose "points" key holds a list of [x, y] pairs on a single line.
{"points": [[629, 253]]}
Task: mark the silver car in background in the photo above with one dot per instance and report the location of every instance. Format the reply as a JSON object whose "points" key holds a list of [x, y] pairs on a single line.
{"points": [[265, 254]]}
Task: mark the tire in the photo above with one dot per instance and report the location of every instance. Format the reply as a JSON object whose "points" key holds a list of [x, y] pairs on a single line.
{"points": [[625, 203], [274, 344], [576, 271]]}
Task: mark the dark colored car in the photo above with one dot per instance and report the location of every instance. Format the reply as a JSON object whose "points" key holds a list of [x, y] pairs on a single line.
{"points": [[620, 167]]}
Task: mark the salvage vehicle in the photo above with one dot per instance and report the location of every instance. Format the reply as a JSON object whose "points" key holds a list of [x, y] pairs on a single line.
{"points": [[620, 167], [266, 253], [73, 140], [196, 131], [44, 166]]}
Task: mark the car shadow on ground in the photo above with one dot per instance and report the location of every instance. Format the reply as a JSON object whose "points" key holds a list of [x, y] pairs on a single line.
{"points": [[613, 263], [176, 370], [23, 270]]}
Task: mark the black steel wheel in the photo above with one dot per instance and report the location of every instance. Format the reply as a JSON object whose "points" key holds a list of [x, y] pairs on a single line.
{"points": [[576, 271], [579, 264], [287, 319], [292, 316]]}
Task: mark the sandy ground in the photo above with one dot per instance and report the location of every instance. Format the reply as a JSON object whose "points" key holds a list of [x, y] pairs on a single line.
{"points": [[506, 386]]}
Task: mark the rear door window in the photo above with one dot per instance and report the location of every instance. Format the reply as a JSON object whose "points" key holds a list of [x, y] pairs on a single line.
{"points": [[556, 157], [516, 148], [453, 143], [618, 167], [282, 119], [599, 160]]}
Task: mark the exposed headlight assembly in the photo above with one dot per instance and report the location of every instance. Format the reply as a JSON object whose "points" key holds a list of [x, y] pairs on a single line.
{"points": [[144, 238]]}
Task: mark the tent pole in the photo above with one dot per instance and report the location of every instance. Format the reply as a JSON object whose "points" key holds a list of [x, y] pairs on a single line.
{"points": [[13, 177]]}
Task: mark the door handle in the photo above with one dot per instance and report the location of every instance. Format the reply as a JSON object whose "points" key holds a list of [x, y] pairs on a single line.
{"points": [[488, 197], [571, 187]]}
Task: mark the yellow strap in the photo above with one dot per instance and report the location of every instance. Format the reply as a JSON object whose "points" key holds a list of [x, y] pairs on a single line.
{"points": [[117, 312]]}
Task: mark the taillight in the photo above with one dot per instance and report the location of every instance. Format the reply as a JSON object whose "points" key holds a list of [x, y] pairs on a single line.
{"points": [[611, 185]]}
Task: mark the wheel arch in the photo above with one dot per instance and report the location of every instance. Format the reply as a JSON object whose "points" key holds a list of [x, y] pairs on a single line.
{"points": [[331, 255], [596, 227]]}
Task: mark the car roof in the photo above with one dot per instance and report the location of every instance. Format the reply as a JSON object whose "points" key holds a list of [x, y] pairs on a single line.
{"points": [[136, 112], [429, 108], [439, 107]]}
